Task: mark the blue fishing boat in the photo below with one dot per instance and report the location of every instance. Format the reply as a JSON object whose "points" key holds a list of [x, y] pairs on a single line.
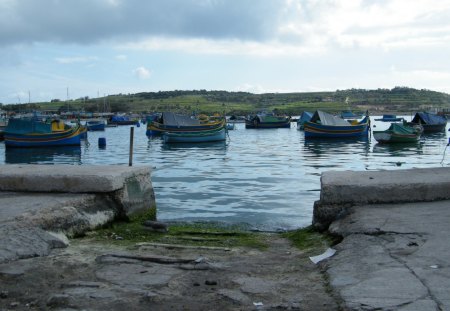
{"points": [[306, 116], [34, 133], [267, 121], [202, 136], [178, 123], [95, 125], [325, 125], [3, 124], [430, 122], [389, 118], [122, 120]]}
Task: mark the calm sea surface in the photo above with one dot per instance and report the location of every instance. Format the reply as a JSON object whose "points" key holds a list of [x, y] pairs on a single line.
{"points": [[266, 178]]}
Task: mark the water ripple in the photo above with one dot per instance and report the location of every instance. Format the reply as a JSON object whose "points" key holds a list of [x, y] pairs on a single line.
{"points": [[267, 178]]}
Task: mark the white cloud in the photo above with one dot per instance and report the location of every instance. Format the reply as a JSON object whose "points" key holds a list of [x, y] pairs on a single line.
{"points": [[389, 24], [121, 57], [221, 47], [76, 59], [142, 73]]}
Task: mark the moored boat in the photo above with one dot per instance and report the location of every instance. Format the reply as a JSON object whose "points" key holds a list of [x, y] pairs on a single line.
{"points": [[95, 125], [3, 124], [35, 133], [122, 120], [325, 125], [267, 121], [389, 118], [306, 116], [398, 133], [201, 136], [178, 123], [430, 122]]}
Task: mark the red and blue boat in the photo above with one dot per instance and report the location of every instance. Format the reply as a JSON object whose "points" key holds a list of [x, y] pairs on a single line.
{"points": [[36, 133], [325, 125]]}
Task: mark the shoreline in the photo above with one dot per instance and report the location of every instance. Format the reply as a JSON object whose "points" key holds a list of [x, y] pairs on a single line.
{"points": [[386, 228]]}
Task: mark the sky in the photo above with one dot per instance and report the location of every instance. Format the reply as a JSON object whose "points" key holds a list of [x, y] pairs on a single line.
{"points": [[68, 49]]}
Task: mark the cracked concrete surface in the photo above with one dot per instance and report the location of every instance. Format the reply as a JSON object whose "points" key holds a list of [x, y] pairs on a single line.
{"points": [[393, 257]]}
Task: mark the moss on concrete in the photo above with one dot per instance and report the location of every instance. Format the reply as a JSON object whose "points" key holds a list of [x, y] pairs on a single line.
{"points": [[200, 234], [308, 239]]}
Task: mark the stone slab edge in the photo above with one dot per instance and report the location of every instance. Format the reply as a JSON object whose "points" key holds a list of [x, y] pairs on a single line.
{"points": [[341, 190], [67, 178], [369, 187]]}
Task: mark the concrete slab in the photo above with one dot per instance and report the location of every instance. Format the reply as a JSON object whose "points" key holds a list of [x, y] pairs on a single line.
{"points": [[42, 205], [67, 178], [363, 187], [344, 189], [393, 257]]}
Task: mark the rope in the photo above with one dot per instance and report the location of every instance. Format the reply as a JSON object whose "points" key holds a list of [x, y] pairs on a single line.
{"points": [[443, 156]]}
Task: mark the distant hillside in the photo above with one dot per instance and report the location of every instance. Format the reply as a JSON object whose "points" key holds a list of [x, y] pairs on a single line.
{"points": [[398, 99]]}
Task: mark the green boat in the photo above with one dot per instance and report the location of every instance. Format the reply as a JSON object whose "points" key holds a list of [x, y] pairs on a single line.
{"points": [[398, 133]]}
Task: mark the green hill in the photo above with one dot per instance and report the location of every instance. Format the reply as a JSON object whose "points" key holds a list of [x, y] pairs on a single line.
{"points": [[398, 99]]}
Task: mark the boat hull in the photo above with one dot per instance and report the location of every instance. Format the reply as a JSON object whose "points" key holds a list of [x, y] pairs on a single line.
{"points": [[386, 137], [267, 125], [389, 118], [195, 137], [95, 126], [71, 137], [433, 128], [334, 131], [155, 128]]}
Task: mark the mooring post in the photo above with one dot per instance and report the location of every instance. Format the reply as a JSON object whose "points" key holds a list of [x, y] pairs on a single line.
{"points": [[130, 162]]}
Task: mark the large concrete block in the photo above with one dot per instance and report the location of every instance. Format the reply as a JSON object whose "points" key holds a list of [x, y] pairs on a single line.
{"points": [[55, 201], [410, 185], [68, 178], [343, 189]]}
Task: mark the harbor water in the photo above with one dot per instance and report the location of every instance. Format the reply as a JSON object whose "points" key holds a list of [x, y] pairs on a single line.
{"points": [[268, 179]]}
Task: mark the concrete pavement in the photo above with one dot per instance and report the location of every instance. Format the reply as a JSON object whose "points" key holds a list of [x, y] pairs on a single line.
{"points": [[42, 205], [393, 257], [395, 252]]}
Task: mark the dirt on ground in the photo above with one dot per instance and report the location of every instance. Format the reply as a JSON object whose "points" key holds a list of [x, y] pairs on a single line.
{"points": [[90, 275]]}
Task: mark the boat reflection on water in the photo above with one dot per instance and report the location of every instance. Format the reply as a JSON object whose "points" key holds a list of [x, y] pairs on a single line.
{"points": [[218, 145], [43, 155], [397, 150], [325, 148]]}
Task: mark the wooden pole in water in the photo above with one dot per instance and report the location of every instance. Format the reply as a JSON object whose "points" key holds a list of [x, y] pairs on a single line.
{"points": [[130, 161]]}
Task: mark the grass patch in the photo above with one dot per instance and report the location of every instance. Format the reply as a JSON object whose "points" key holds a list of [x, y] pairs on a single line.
{"points": [[308, 239], [196, 234]]}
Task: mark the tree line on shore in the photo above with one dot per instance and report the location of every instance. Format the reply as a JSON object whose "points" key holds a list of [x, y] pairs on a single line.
{"points": [[242, 103]]}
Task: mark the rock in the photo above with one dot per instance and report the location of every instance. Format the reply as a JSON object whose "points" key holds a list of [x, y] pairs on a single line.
{"points": [[58, 300], [156, 226]]}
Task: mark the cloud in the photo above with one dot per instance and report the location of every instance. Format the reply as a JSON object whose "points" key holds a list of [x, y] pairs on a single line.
{"points": [[76, 59], [221, 47], [121, 57], [91, 21], [142, 73], [262, 27]]}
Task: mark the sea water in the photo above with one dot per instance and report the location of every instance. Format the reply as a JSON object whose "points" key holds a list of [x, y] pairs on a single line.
{"points": [[267, 178]]}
